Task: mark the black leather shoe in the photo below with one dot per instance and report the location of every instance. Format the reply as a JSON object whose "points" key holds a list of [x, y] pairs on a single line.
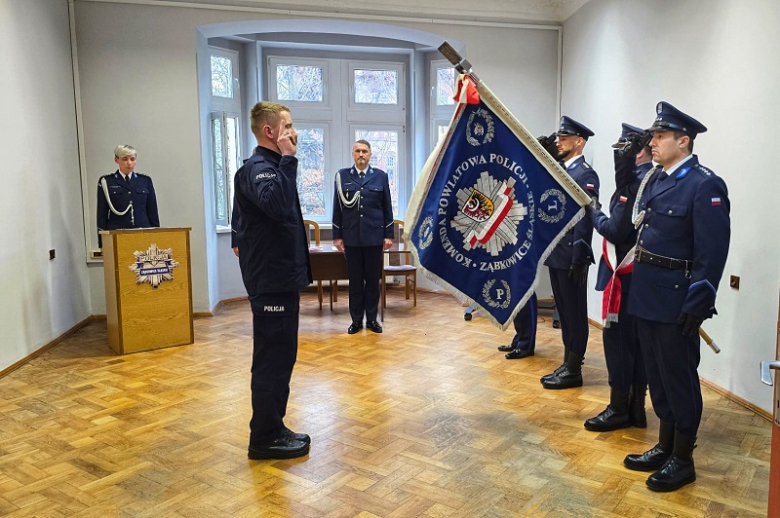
{"points": [[506, 348], [516, 354], [296, 436], [608, 420], [553, 373], [556, 324], [374, 326], [651, 460], [673, 475], [354, 327], [281, 448], [565, 379]]}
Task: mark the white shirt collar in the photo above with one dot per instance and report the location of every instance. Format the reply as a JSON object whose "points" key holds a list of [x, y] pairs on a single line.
{"points": [[676, 166], [362, 170], [570, 161]]}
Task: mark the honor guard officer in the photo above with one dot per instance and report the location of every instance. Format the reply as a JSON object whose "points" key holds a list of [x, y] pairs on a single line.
{"points": [[362, 228], [524, 341], [682, 213], [126, 198], [274, 259], [627, 378], [568, 263]]}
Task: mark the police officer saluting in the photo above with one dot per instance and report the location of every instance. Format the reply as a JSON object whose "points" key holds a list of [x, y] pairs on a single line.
{"points": [[126, 198], [568, 263], [682, 213], [627, 378], [274, 259]]}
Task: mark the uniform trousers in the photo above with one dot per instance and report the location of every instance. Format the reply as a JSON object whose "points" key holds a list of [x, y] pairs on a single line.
{"points": [[275, 329], [671, 361], [622, 351], [572, 303], [364, 268], [525, 326]]}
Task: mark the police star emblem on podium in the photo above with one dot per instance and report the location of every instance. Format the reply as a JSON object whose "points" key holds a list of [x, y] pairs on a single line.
{"points": [[154, 266]]}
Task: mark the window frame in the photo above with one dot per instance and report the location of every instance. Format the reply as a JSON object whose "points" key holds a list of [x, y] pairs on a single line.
{"points": [[273, 93]]}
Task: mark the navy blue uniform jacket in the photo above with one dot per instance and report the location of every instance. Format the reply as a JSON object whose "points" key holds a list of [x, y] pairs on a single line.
{"points": [[273, 251], [574, 247], [371, 221], [618, 228], [139, 190], [686, 217]]}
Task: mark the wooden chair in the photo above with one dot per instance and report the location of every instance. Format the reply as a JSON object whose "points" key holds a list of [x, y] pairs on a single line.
{"points": [[404, 267], [313, 225]]}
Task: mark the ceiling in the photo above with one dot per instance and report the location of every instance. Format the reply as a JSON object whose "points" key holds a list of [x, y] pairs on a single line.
{"points": [[515, 11]]}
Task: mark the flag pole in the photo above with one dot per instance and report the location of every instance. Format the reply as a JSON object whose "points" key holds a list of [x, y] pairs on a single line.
{"points": [[551, 165]]}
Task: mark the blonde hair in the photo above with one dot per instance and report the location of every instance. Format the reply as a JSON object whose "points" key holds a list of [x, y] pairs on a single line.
{"points": [[123, 150], [266, 112]]}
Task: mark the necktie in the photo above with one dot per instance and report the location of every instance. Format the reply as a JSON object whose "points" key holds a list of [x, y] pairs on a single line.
{"points": [[127, 179], [662, 175], [361, 174]]}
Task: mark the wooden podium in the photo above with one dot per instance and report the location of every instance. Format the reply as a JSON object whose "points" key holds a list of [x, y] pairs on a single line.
{"points": [[148, 288]]}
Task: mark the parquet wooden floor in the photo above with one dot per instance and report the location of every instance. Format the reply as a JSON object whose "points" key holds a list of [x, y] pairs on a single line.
{"points": [[426, 419]]}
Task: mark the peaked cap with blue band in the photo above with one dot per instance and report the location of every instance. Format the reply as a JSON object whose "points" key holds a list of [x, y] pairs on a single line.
{"points": [[571, 127], [669, 118], [629, 129]]}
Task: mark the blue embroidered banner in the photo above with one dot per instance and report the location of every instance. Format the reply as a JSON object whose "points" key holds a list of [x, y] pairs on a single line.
{"points": [[487, 211]]}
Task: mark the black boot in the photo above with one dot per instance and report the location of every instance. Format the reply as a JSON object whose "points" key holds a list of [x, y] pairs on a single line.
{"points": [[678, 470], [637, 406], [559, 369], [615, 416], [656, 456], [570, 376]]}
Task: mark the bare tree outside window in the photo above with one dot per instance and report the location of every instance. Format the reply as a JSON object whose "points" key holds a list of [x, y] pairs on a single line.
{"points": [[221, 77], [311, 177], [376, 86], [445, 86], [299, 83]]}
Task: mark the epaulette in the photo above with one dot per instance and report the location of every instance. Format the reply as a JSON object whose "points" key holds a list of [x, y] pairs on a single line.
{"points": [[141, 174], [703, 170]]}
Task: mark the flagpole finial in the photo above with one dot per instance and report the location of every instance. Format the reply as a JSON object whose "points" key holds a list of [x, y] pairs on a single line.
{"points": [[461, 65]]}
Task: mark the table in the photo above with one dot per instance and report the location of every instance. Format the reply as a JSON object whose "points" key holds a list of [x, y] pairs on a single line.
{"points": [[327, 264]]}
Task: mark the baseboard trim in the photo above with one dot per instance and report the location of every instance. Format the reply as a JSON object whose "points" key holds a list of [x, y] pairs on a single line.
{"points": [[736, 399], [48, 346]]}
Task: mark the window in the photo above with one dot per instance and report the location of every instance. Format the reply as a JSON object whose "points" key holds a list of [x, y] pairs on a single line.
{"points": [[225, 104], [227, 157], [335, 102], [442, 104], [311, 170]]}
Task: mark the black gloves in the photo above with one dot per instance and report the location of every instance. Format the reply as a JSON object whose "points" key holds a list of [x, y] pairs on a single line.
{"points": [[690, 324], [579, 273], [632, 144], [593, 206], [548, 143]]}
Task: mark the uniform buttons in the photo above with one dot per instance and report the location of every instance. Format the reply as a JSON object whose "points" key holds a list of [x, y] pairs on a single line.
{"points": [[676, 286], [670, 211], [641, 241], [361, 206], [361, 215], [647, 225], [568, 243], [649, 209]]}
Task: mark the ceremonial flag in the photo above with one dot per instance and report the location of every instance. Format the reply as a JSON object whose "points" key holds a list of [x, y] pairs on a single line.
{"points": [[489, 207]]}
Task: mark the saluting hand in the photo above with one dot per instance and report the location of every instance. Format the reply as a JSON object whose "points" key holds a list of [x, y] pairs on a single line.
{"points": [[288, 139]]}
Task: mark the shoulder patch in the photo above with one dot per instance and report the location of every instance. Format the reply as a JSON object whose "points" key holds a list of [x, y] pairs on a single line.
{"points": [[264, 175]]}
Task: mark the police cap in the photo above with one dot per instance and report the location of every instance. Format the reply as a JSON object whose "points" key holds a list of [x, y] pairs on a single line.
{"points": [[571, 127], [669, 118]]}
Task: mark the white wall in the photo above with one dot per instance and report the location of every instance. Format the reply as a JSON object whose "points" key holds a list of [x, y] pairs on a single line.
{"points": [[138, 72], [40, 202], [714, 59]]}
